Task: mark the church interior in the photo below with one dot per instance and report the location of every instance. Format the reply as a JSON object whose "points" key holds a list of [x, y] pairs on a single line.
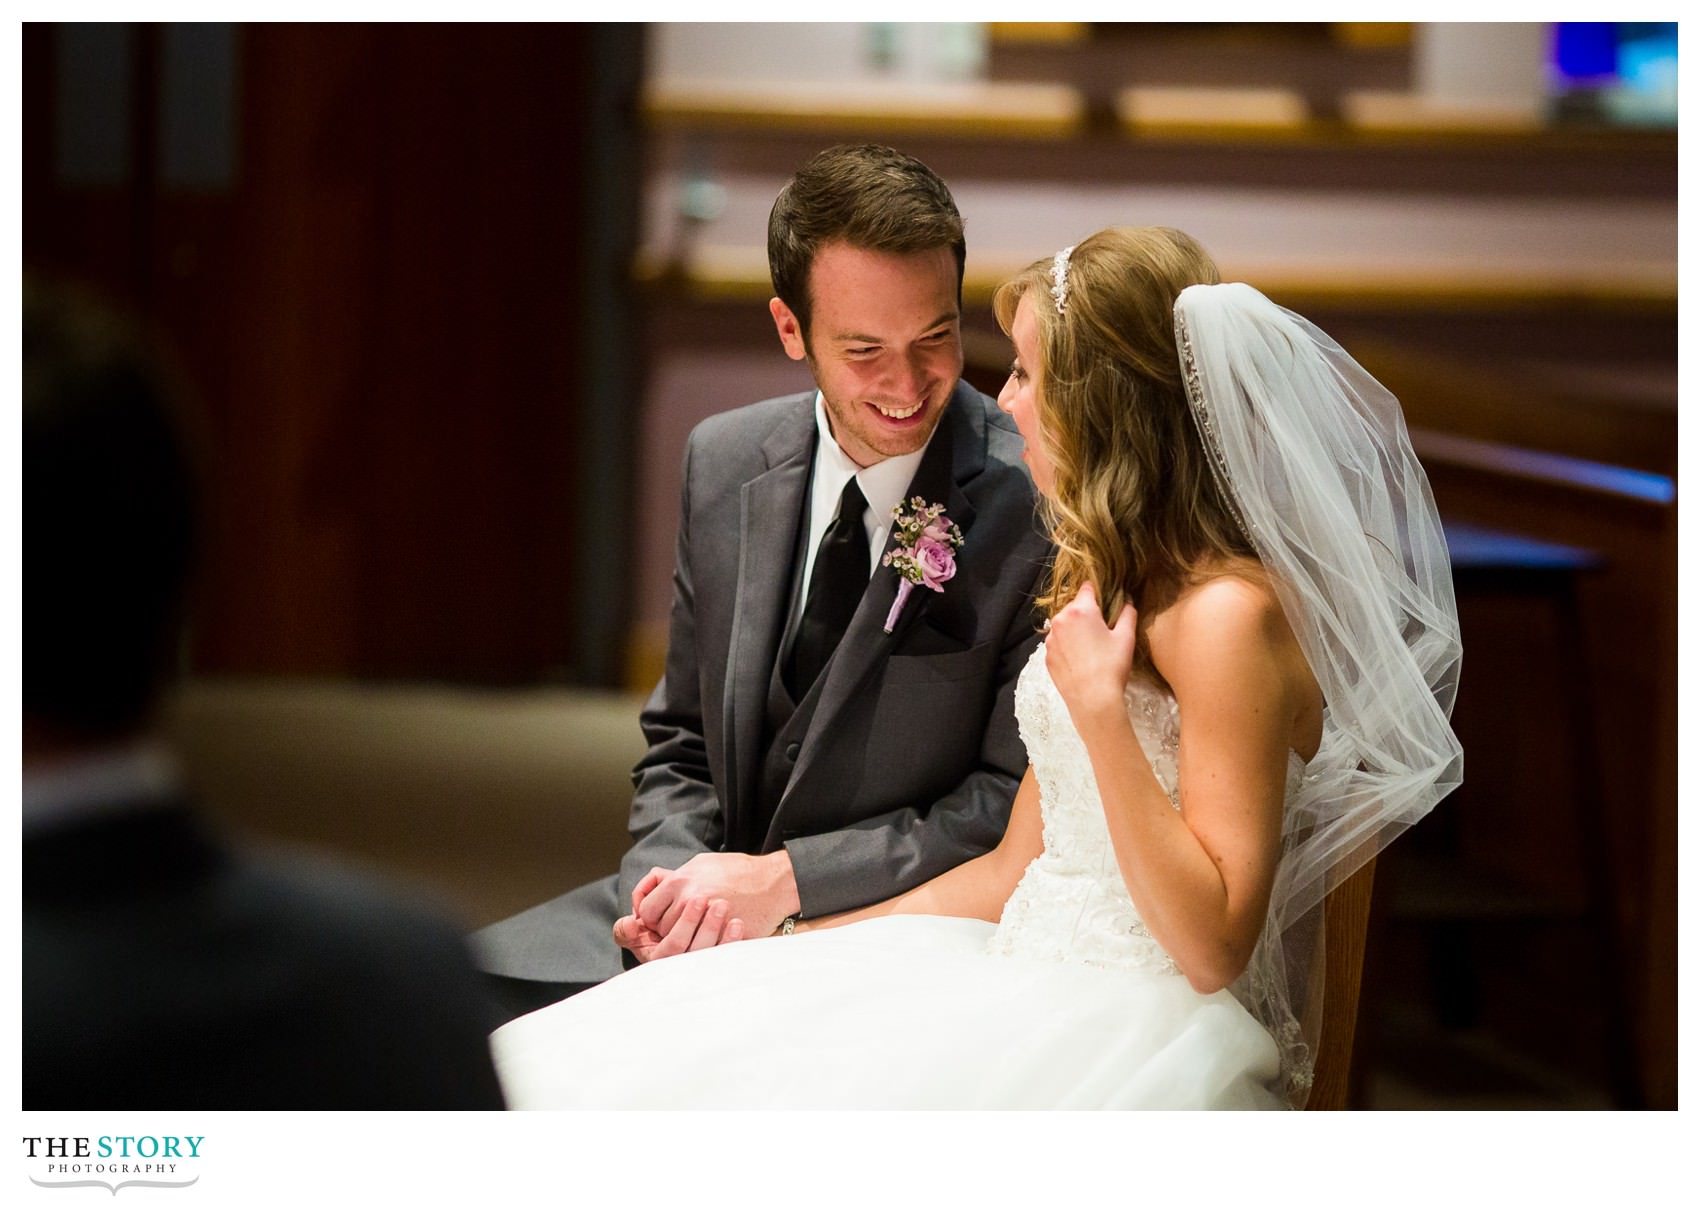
{"points": [[449, 299]]}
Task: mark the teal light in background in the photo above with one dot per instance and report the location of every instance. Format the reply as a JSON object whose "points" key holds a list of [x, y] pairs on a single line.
{"points": [[1616, 71]]}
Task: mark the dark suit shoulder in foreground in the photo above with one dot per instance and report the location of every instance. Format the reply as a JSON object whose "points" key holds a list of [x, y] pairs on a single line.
{"points": [[163, 969]]}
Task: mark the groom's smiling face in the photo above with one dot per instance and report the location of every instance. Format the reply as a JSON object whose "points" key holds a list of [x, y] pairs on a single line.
{"points": [[884, 343]]}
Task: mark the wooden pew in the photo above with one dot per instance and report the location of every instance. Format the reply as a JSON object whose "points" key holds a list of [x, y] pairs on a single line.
{"points": [[1517, 703]]}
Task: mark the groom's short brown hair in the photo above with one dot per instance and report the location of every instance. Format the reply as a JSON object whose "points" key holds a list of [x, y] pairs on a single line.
{"points": [[869, 196]]}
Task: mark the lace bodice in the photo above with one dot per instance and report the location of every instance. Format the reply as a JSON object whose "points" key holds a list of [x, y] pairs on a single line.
{"points": [[1071, 904]]}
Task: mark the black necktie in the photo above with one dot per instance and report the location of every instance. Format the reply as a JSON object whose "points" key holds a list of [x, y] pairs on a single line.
{"points": [[839, 579]]}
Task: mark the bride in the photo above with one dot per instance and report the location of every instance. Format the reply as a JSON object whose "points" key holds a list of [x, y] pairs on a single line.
{"points": [[1243, 693]]}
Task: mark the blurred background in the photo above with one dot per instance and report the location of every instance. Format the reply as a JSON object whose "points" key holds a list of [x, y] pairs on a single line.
{"points": [[450, 298]]}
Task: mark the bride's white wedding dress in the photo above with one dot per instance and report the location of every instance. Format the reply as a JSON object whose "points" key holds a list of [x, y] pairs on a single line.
{"points": [[1067, 1002]]}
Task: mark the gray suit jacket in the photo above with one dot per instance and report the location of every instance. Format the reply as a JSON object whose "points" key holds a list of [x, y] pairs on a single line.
{"points": [[911, 755]]}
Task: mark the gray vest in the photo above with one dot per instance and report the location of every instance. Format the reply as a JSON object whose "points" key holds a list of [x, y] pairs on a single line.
{"points": [[784, 723]]}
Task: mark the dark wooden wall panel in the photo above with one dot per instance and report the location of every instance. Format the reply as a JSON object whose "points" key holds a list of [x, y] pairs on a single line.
{"points": [[382, 316]]}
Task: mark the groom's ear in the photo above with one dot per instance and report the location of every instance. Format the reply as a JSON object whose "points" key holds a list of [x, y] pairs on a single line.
{"points": [[790, 331]]}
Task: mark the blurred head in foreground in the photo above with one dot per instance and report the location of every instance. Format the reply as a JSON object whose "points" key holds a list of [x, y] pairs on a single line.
{"points": [[109, 507]]}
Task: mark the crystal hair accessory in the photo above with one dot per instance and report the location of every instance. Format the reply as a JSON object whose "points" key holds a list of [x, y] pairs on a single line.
{"points": [[1059, 279], [925, 553]]}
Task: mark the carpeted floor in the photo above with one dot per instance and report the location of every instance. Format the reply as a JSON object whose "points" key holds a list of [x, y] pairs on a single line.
{"points": [[490, 801]]}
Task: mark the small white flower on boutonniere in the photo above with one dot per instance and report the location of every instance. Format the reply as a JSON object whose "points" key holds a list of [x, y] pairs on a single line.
{"points": [[925, 553]]}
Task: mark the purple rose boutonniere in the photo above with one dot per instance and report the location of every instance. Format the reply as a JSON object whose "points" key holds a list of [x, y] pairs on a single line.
{"points": [[925, 553]]}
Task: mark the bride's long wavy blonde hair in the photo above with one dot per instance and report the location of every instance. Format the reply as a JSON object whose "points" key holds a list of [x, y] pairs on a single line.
{"points": [[1136, 508]]}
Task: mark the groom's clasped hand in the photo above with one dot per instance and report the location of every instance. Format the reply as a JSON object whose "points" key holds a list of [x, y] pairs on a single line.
{"points": [[710, 899]]}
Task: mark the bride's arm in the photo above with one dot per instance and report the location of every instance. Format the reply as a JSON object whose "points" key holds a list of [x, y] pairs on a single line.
{"points": [[1200, 877], [977, 888]]}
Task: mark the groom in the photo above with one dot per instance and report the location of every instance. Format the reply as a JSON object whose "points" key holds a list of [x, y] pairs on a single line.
{"points": [[805, 757]]}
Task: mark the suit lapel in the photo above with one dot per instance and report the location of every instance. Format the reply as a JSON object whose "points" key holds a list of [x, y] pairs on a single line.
{"points": [[770, 512], [955, 456]]}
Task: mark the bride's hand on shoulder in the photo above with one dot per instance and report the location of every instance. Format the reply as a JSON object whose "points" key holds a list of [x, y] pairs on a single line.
{"points": [[1089, 661]]}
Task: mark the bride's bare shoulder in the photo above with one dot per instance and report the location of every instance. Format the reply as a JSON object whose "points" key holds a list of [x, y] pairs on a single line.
{"points": [[1237, 597], [1229, 616]]}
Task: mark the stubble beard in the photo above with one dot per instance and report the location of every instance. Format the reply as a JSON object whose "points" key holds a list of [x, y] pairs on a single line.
{"points": [[852, 421]]}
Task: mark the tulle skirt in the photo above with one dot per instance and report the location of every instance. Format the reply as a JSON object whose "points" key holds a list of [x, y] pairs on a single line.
{"points": [[904, 1012]]}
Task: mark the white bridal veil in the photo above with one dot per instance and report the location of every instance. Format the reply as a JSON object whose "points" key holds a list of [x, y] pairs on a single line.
{"points": [[1316, 462]]}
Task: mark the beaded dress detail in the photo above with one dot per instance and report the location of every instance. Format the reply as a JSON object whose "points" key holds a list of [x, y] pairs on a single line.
{"points": [[1072, 903]]}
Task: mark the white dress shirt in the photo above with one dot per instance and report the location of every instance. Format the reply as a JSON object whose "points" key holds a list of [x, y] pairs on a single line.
{"points": [[883, 485]]}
